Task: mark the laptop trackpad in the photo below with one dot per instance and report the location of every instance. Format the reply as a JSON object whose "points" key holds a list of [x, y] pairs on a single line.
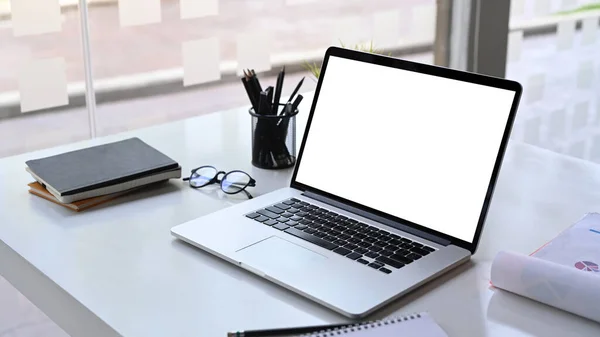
{"points": [[275, 255]]}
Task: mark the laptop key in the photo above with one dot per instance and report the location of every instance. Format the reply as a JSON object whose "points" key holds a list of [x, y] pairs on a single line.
{"points": [[416, 244], [330, 238], [405, 240], [429, 249], [289, 202], [287, 215], [405, 245], [310, 238], [362, 261], [376, 248], [319, 234], [413, 256], [394, 242], [391, 262], [385, 270], [360, 236], [402, 252], [364, 244], [283, 219], [283, 206], [290, 223], [281, 226], [296, 218], [340, 242], [275, 210], [351, 246], [401, 258], [369, 240], [252, 215], [354, 240], [381, 244], [310, 230], [268, 214], [261, 218], [371, 254], [344, 236], [376, 265], [386, 252], [419, 251], [293, 210], [342, 251], [305, 222], [294, 200], [361, 250], [353, 256], [304, 203], [302, 214], [385, 238], [271, 222], [301, 227]]}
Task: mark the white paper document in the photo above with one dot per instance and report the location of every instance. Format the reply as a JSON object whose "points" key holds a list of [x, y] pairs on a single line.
{"points": [[565, 273]]}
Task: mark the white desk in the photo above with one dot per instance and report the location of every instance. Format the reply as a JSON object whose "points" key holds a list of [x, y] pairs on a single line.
{"points": [[115, 269]]}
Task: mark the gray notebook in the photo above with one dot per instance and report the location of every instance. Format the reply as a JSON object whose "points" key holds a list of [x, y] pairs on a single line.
{"points": [[100, 166]]}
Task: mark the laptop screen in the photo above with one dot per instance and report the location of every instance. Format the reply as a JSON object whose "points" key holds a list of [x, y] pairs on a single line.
{"points": [[415, 146]]}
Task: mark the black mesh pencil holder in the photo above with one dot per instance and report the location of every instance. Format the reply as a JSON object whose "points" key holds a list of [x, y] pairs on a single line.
{"points": [[273, 140]]}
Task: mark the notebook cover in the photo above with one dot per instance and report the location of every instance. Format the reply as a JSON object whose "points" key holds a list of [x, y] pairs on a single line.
{"points": [[38, 190], [99, 166]]}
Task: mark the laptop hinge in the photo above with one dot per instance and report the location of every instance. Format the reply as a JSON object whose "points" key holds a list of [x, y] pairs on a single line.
{"points": [[377, 218]]}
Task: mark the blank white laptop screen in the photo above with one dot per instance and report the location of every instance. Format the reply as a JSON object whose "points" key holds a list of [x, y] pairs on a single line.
{"points": [[412, 145]]}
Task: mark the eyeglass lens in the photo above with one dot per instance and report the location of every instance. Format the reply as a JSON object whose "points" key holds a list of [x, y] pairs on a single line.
{"points": [[234, 182], [203, 176]]}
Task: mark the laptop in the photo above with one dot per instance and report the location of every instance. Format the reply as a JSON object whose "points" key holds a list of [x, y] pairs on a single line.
{"points": [[391, 187]]}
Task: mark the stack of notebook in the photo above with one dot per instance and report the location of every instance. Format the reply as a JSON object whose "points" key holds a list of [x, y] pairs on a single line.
{"points": [[88, 177]]}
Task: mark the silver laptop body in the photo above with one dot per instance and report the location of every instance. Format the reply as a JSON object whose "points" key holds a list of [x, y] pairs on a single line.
{"points": [[388, 192]]}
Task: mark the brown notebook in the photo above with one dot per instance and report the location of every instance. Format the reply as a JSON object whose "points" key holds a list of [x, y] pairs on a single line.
{"points": [[39, 190]]}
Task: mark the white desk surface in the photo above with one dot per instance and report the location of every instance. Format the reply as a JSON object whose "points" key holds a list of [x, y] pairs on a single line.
{"points": [[116, 270]]}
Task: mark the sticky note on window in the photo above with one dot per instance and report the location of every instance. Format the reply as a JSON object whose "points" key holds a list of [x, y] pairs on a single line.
{"points": [[32, 17], [517, 8], [191, 9], [532, 131], [542, 7], [585, 74], [43, 84], [535, 88], [580, 116], [347, 32], [589, 31], [201, 61], [139, 12], [565, 34], [253, 52], [423, 22], [557, 124], [386, 29], [515, 46]]}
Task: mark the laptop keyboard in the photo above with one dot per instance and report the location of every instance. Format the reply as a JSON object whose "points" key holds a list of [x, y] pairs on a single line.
{"points": [[365, 244]]}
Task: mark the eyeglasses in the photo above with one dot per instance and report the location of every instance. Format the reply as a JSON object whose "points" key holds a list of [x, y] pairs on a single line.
{"points": [[232, 182]]}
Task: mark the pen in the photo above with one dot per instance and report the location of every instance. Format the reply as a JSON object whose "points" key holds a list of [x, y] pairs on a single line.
{"points": [[297, 102], [296, 90], [269, 100], [278, 88], [251, 96], [286, 331]]}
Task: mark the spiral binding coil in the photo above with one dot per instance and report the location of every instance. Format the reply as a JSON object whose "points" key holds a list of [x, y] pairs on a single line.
{"points": [[362, 326]]}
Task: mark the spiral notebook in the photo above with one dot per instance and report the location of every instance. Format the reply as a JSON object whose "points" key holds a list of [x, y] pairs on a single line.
{"points": [[421, 325]]}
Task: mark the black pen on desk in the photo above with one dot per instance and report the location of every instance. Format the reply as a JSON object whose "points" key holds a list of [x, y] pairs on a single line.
{"points": [[296, 90], [278, 89], [286, 331]]}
